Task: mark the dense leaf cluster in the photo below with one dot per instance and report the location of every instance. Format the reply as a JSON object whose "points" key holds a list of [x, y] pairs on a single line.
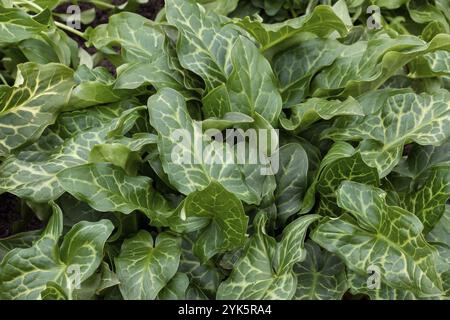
{"points": [[358, 204]]}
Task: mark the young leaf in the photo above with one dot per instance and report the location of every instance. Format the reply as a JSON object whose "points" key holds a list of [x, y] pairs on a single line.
{"points": [[428, 202], [17, 25], [265, 270], [32, 104], [296, 66], [224, 217], [208, 54], [140, 39], [32, 174], [389, 238], [204, 277], [24, 273], [182, 161], [314, 109], [341, 163], [322, 21], [401, 119], [364, 66], [251, 85], [321, 276], [107, 188], [175, 289], [359, 284], [292, 180], [144, 267], [53, 291]]}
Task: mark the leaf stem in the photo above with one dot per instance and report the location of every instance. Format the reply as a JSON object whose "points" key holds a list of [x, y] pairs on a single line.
{"points": [[32, 4], [103, 4], [67, 28], [58, 24], [3, 79], [293, 13]]}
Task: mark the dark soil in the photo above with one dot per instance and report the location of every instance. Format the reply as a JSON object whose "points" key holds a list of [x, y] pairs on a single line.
{"points": [[151, 9], [9, 212], [11, 220], [407, 149]]}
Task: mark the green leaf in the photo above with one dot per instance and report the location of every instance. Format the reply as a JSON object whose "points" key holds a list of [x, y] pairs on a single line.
{"points": [[265, 269], [341, 163], [140, 39], [108, 278], [53, 46], [32, 174], [423, 12], [322, 22], [204, 277], [216, 103], [296, 66], [305, 114], [55, 224], [175, 289], [223, 7], [321, 276], [24, 273], [138, 142], [33, 103], [16, 270], [283, 113], [428, 201], [422, 158], [390, 238], [53, 291], [19, 240], [441, 231], [83, 246], [108, 188], [207, 54], [148, 57], [292, 180], [50, 4], [260, 100], [118, 155], [222, 215], [440, 238], [159, 74], [17, 25], [359, 284], [229, 120], [251, 85], [95, 87], [364, 66], [431, 64], [403, 118], [446, 279], [182, 161], [145, 267]]}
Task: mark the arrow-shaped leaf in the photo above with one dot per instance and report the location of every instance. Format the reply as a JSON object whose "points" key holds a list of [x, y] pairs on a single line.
{"points": [[389, 238]]}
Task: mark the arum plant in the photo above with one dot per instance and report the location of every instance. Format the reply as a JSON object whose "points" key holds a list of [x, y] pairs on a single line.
{"points": [[229, 150]]}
